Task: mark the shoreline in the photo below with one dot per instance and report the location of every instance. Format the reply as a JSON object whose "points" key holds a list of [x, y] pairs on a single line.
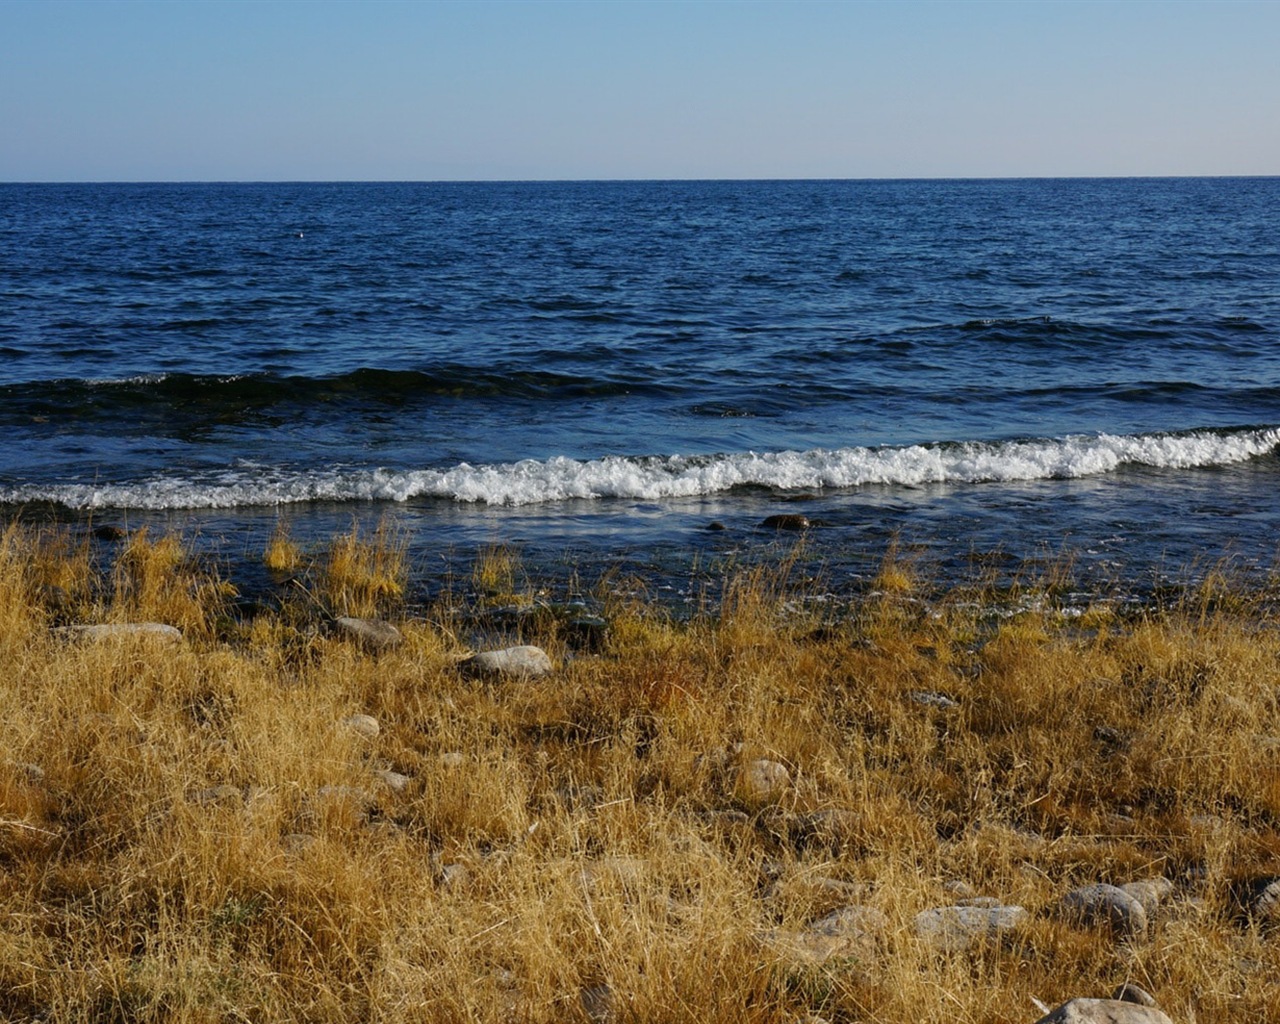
{"points": [[776, 811]]}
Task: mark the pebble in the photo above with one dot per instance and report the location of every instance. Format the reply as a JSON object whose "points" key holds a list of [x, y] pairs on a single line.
{"points": [[217, 795], [525, 662], [363, 725], [933, 700], [1151, 893], [762, 779], [1103, 1011], [394, 781], [375, 634], [1107, 905], [1266, 905], [452, 759]]}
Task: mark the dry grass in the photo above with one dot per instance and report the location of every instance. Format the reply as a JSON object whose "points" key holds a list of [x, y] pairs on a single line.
{"points": [[193, 832]]}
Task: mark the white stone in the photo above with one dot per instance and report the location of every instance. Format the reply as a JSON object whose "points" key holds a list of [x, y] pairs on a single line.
{"points": [[525, 662], [1104, 1011]]}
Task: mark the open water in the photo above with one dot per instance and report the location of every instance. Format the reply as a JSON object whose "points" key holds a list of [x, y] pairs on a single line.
{"points": [[594, 373]]}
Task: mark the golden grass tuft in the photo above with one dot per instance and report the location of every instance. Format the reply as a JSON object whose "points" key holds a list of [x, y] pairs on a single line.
{"points": [[195, 832]]}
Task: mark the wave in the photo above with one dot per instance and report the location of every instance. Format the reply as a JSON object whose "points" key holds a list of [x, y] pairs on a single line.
{"points": [[533, 481], [261, 392]]}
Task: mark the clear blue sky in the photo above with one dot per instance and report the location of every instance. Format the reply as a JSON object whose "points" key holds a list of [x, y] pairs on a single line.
{"points": [[302, 90]]}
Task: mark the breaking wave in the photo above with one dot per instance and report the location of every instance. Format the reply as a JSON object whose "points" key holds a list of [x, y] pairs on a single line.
{"points": [[530, 481]]}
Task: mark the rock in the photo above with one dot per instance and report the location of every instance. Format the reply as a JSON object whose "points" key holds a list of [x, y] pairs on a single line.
{"points": [[394, 781], [832, 829], [105, 631], [452, 759], [959, 927], [362, 725], [1131, 993], [762, 779], [454, 876], [215, 795], [598, 1003], [109, 531], [1150, 892], [787, 521], [716, 526], [525, 662], [587, 632], [1107, 905], [933, 700], [1266, 905], [1103, 1011], [850, 931], [374, 634]]}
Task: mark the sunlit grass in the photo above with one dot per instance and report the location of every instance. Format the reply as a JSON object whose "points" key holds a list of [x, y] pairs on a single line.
{"points": [[195, 831]]}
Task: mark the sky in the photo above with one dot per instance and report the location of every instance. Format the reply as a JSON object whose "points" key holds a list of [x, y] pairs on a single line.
{"points": [[297, 90]]}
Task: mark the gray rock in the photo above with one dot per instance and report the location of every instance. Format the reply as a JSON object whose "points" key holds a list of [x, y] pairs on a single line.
{"points": [[1266, 905], [374, 634], [1131, 993], [363, 725], [762, 779], [598, 1004], [1107, 905], [105, 631], [852, 931], [526, 662], [452, 759], [933, 700], [959, 927], [1151, 893], [215, 795], [394, 781], [1103, 1011]]}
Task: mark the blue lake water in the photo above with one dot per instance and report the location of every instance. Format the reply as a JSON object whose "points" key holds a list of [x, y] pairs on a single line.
{"points": [[595, 372]]}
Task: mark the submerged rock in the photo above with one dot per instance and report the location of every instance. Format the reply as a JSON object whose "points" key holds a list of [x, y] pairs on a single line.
{"points": [[787, 521], [526, 662]]}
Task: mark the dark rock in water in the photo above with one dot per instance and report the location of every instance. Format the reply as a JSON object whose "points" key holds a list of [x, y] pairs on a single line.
{"points": [[587, 631], [372, 633], [716, 525], [787, 521], [109, 531]]}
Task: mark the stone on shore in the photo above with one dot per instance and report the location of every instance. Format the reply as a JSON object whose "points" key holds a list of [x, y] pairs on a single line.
{"points": [[852, 931], [374, 634], [762, 780], [362, 725], [108, 630], [526, 662], [1104, 1011], [1128, 992], [957, 928], [1107, 905]]}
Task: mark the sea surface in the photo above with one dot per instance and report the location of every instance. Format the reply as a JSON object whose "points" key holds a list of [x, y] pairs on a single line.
{"points": [[600, 375]]}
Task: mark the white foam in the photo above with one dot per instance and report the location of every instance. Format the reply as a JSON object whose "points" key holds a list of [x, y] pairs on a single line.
{"points": [[650, 478]]}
